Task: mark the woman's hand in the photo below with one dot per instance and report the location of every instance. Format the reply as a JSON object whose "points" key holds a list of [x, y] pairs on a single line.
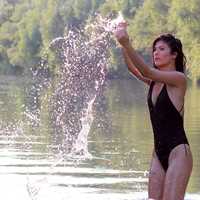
{"points": [[121, 33]]}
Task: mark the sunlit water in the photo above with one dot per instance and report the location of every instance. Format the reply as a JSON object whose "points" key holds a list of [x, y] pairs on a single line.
{"points": [[120, 144]]}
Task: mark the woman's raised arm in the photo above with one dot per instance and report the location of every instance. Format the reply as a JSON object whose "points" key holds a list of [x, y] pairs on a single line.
{"points": [[134, 71]]}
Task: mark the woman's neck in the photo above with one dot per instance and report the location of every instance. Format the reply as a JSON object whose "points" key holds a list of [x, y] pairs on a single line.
{"points": [[170, 67]]}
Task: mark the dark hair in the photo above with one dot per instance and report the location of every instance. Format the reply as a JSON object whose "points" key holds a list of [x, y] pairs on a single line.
{"points": [[175, 46]]}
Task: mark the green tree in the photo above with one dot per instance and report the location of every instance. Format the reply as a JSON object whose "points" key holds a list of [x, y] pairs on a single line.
{"points": [[149, 21], [184, 18]]}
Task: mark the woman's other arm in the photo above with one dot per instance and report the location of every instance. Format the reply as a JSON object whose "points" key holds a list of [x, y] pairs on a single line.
{"points": [[134, 71]]}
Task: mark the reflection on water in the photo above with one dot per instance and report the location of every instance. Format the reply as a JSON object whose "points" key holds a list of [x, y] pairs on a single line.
{"points": [[120, 142]]}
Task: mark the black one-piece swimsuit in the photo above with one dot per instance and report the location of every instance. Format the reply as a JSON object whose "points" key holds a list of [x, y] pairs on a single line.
{"points": [[167, 124]]}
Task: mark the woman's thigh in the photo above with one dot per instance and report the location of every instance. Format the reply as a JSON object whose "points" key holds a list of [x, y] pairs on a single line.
{"points": [[178, 173], [156, 179]]}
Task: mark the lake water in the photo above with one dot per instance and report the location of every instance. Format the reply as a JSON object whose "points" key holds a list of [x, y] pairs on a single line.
{"points": [[120, 143]]}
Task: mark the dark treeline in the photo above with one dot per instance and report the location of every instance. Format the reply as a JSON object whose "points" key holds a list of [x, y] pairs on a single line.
{"points": [[28, 26]]}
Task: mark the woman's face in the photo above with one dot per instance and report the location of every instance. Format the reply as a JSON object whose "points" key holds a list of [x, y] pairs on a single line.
{"points": [[162, 55]]}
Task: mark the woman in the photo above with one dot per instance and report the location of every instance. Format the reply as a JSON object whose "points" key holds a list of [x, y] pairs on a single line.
{"points": [[171, 164]]}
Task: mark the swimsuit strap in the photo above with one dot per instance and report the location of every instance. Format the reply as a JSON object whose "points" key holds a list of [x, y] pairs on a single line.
{"points": [[181, 108]]}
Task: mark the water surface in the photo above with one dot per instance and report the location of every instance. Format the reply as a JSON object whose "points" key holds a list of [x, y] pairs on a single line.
{"points": [[120, 143]]}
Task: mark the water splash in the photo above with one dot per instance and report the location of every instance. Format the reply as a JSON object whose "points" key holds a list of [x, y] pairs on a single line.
{"points": [[84, 60], [112, 24], [41, 79]]}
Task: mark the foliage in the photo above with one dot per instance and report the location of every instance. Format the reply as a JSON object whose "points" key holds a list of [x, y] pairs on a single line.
{"points": [[28, 26]]}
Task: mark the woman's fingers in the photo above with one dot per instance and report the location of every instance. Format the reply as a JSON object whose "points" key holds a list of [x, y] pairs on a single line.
{"points": [[121, 36]]}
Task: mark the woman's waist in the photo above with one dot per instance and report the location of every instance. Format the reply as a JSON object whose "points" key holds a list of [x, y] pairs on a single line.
{"points": [[170, 138]]}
